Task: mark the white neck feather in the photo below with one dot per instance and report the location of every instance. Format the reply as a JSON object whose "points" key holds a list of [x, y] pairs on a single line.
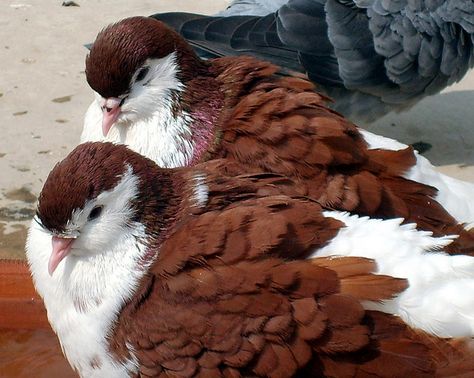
{"points": [[83, 298], [162, 138]]}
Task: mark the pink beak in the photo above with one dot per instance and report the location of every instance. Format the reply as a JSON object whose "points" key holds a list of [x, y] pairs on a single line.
{"points": [[110, 112], [61, 248]]}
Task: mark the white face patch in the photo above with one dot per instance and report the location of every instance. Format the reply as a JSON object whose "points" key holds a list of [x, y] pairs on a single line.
{"points": [[97, 234], [148, 124], [153, 91]]}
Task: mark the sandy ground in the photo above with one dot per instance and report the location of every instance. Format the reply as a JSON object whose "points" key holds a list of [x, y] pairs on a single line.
{"points": [[44, 94]]}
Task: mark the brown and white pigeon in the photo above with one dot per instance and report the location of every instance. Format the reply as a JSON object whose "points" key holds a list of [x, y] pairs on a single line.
{"points": [[203, 272], [157, 97]]}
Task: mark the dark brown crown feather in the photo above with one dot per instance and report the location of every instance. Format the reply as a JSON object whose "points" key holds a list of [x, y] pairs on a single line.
{"points": [[90, 169], [121, 48]]}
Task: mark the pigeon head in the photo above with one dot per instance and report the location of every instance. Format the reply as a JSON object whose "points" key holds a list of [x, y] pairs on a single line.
{"points": [[136, 64], [97, 195]]}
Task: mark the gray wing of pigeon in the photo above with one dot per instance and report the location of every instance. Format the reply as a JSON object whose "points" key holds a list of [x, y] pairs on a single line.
{"points": [[371, 56]]}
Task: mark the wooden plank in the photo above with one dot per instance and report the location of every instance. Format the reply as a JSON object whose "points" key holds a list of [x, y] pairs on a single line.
{"points": [[16, 280], [22, 313], [20, 305]]}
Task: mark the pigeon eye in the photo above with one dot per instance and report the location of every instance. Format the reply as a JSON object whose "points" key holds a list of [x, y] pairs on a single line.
{"points": [[142, 73], [95, 212]]}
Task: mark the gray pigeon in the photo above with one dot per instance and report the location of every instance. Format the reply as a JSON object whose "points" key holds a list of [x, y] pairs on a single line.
{"points": [[370, 56]]}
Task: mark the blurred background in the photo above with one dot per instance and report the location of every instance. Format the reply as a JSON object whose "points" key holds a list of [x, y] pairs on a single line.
{"points": [[44, 95]]}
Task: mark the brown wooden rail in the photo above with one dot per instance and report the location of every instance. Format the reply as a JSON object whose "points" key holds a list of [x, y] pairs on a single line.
{"points": [[20, 305]]}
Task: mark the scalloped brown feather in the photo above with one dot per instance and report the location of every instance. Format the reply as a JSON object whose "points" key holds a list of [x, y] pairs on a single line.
{"points": [[231, 294], [271, 123]]}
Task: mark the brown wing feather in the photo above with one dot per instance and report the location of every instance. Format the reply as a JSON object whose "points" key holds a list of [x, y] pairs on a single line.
{"points": [[236, 300], [252, 229], [270, 321], [280, 125], [272, 326], [395, 340], [362, 286]]}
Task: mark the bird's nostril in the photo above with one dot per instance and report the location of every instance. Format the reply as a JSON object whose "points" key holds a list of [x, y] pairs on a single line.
{"points": [[108, 109]]}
